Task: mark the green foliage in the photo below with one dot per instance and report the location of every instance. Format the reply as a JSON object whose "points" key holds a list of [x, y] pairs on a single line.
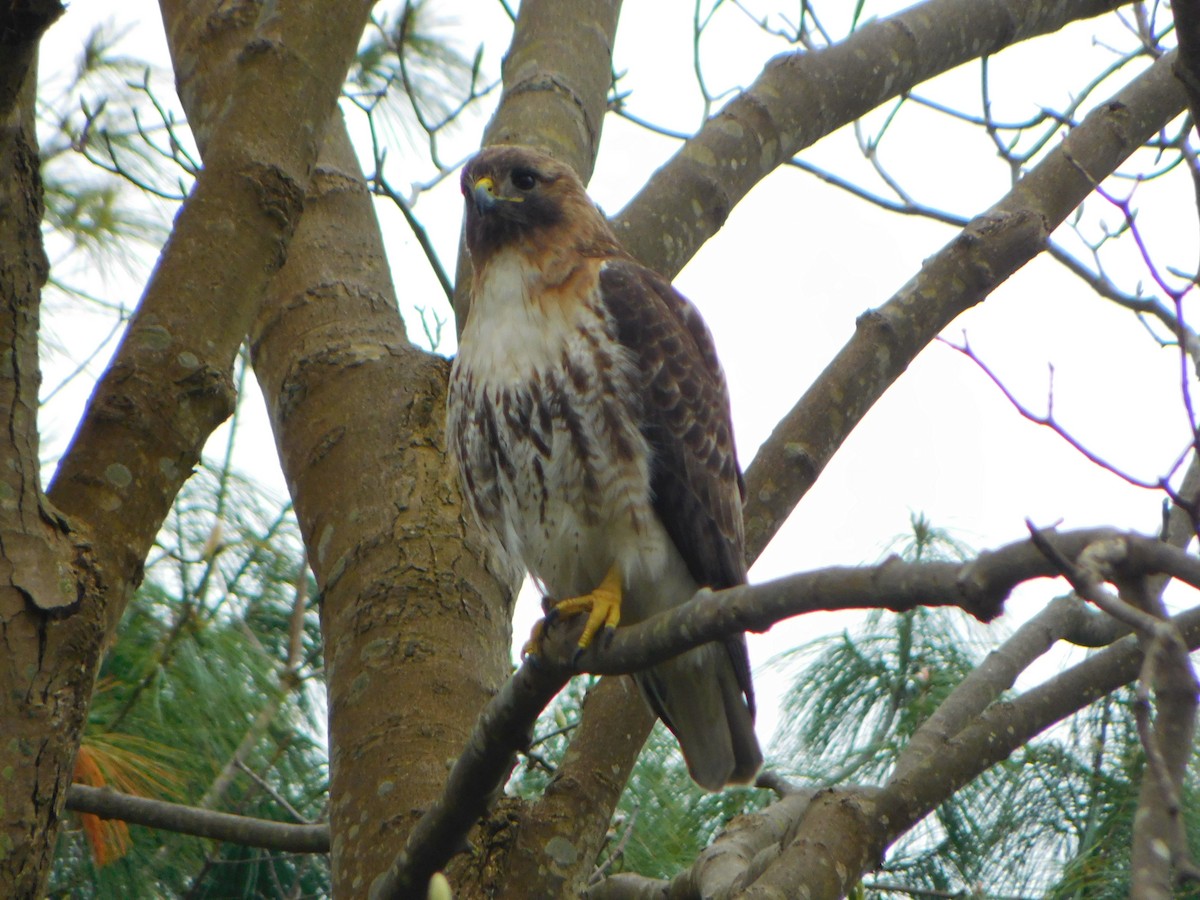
{"points": [[205, 662], [663, 819], [857, 698], [1055, 819]]}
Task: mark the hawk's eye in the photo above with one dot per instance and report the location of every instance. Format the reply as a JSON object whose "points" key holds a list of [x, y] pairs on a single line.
{"points": [[524, 179]]}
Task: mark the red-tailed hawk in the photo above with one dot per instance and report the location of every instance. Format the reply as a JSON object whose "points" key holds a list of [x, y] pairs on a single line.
{"points": [[589, 418]]}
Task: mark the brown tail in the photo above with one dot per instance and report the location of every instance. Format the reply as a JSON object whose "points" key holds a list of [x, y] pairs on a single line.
{"points": [[698, 696]]}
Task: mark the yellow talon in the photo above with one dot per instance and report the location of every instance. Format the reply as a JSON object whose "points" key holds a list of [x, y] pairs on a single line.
{"points": [[603, 606]]}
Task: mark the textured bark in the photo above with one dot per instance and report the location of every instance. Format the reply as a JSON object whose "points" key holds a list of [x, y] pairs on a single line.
{"points": [[50, 620], [416, 629], [66, 579], [561, 834]]}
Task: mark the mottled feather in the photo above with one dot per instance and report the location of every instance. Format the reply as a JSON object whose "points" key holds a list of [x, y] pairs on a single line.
{"points": [[590, 421]]}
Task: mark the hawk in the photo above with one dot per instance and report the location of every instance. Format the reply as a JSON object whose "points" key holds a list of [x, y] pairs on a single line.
{"points": [[589, 420]]}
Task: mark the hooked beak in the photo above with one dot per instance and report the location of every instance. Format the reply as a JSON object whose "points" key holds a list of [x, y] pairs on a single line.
{"points": [[484, 194]]}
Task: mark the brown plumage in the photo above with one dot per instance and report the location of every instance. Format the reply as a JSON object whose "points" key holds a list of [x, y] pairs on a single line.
{"points": [[589, 417]]}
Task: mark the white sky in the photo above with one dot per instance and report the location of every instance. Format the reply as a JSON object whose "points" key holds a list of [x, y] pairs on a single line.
{"points": [[782, 284]]}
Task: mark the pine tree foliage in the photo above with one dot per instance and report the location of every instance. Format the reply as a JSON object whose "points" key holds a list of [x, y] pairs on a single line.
{"points": [[857, 697], [663, 819], [208, 660], [1055, 819]]}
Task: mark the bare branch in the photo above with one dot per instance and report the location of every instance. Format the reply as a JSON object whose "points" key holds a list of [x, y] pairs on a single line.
{"points": [[841, 836], [993, 246], [109, 804], [801, 97], [1047, 420], [382, 186], [1166, 666], [906, 206], [979, 587]]}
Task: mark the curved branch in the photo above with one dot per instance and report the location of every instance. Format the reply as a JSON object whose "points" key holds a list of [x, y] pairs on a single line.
{"points": [[250, 832], [803, 96], [979, 587], [844, 832], [993, 246]]}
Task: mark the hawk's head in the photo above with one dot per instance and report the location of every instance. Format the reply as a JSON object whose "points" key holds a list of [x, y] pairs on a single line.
{"points": [[515, 193]]}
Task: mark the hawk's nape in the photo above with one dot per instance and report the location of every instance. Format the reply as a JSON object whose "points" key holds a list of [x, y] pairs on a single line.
{"points": [[589, 419]]}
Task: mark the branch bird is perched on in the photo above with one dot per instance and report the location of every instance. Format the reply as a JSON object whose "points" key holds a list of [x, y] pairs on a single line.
{"points": [[590, 422]]}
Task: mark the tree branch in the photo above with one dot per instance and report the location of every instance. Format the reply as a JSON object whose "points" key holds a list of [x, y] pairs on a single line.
{"points": [[979, 587], [963, 273], [169, 383], [722, 868], [578, 803], [803, 96], [1187, 68], [1167, 668], [845, 832], [22, 24], [987, 682], [250, 832]]}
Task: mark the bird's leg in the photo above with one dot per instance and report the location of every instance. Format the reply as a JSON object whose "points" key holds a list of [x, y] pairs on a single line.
{"points": [[603, 606]]}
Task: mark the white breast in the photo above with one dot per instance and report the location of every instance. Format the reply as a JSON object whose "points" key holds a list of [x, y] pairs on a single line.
{"points": [[543, 412], [507, 335]]}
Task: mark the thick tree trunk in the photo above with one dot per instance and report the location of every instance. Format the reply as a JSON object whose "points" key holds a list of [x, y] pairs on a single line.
{"points": [[63, 586], [416, 629], [50, 626]]}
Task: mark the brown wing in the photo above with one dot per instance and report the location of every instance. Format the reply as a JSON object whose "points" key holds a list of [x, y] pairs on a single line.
{"points": [[695, 477]]}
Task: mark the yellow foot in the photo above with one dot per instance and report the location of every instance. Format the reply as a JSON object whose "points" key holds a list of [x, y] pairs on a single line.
{"points": [[603, 608]]}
